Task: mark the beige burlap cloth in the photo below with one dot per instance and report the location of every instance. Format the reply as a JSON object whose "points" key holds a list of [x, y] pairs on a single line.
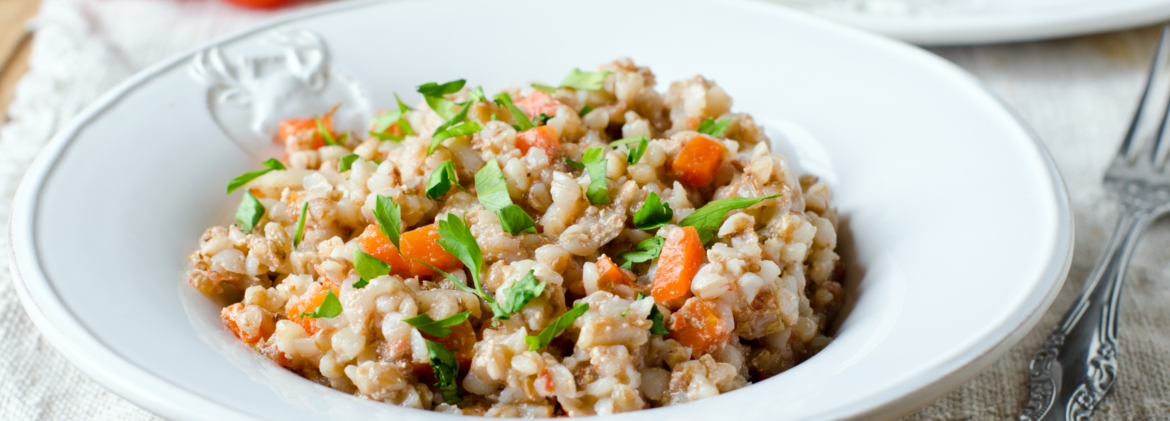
{"points": [[1078, 94]]}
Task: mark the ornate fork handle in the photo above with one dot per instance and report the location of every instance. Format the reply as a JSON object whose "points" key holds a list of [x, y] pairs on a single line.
{"points": [[1077, 364]]}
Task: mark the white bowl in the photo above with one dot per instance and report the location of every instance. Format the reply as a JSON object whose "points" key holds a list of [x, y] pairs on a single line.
{"points": [[957, 227]]}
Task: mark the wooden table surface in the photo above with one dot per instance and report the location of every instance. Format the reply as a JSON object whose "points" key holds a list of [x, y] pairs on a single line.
{"points": [[15, 42]]}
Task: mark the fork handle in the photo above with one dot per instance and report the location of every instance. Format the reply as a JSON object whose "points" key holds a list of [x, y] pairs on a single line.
{"points": [[1077, 364]]}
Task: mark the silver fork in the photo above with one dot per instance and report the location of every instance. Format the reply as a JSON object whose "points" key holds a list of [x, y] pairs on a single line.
{"points": [[1077, 364]]}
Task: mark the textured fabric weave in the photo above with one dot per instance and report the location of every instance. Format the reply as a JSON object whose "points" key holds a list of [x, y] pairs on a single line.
{"points": [[1077, 94]]}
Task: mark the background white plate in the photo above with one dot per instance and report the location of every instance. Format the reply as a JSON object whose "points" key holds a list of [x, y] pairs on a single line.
{"points": [[956, 224], [952, 22]]}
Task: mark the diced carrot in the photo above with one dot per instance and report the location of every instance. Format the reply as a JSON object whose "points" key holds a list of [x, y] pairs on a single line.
{"points": [[696, 163], [611, 277], [543, 137], [374, 243], [308, 303], [419, 244], [230, 316], [681, 256], [295, 126], [539, 102], [702, 326]]}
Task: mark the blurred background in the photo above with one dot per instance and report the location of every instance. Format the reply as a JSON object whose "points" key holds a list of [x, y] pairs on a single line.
{"points": [[1077, 93]]}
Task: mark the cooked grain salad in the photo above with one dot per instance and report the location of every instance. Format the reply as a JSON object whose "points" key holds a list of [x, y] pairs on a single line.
{"points": [[588, 248]]}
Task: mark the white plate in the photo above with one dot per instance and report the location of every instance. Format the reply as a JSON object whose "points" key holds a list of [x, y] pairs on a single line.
{"points": [[951, 22], [959, 223]]}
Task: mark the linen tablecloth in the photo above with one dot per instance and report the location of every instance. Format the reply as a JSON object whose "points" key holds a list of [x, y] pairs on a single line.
{"points": [[1077, 94]]}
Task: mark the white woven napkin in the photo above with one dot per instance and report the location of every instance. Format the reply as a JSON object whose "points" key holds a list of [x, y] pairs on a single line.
{"points": [[1077, 94]]}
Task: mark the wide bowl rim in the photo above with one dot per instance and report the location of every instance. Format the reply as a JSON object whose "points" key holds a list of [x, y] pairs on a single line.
{"points": [[87, 352]]}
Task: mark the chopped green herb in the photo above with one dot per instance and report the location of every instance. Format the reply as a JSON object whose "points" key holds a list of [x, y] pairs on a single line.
{"points": [[544, 88], [459, 129], [522, 121], [434, 89], [300, 233], [249, 212], [625, 312], [636, 145], [492, 191], [455, 238], [542, 119], [589, 81], [657, 326], [389, 217], [368, 267], [535, 343], [346, 162], [446, 369], [443, 107], [387, 118], [714, 128], [584, 110], [645, 251], [441, 180], [270, 165], [708, 218], [437, 328], [574, 164], [476, 95], [595, 165], [653, 214], [329, 308], [442, 133], [326, 135], [517, 295]]}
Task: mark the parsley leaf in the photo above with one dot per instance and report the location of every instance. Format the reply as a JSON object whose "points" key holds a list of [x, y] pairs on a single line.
{"points": [[714, 128], [492, 191], [522, 121], [442, 133], [300, 233], [446, 369], [574, 164], [542, 119], [476, 95], [270, 165], [544, 88], [434, 89], [707, 218], [346, 162], [389, 217], [595, 165], [329, 308], [584, 110], [520, 293], [589, 81], [653, 214], [535, 343], [387, 118], [640, 144], [657, 326], [645, 251], [455, 238], [368, 267], [326, 135], [437, 328], [249, 212], [441, 180]]}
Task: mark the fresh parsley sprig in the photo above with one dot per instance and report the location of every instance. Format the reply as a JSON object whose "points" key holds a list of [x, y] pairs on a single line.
{"points": [[589, 81], [300, 232], [249, 212], [707, 218], [346, 162], [654, 213], [492, 191], [327, 135], [554, 329], [522, 121], [437, 328], [521, 292], [657, 324], [389, 217], [441, 180], [714, 128], [645, 251], [270, 165], [368, 267], [446, 369], [595, 164], [330, 307], [544, 88], [388, 118], [584, 110], [434, 93]]}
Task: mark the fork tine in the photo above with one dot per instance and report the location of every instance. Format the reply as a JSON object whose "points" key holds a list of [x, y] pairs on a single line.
{"points": [[1129, 146]]}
